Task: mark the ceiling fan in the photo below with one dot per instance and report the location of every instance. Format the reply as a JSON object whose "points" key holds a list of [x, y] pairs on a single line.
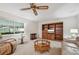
{"points": [[35, 7]]}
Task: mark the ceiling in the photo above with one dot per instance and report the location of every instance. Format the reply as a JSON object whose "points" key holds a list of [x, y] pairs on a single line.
{"points": [[56, 10]]}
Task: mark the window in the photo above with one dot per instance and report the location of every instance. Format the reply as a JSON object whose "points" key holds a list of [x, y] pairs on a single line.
{"points": [[10, 27]]}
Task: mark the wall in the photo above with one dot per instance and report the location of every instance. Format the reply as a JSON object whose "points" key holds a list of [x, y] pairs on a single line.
{"points": [[30, 27], [68, 23], [77, 21]]}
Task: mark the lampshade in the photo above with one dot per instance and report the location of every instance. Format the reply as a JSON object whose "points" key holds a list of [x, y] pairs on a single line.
{"points": [[74, 31]]}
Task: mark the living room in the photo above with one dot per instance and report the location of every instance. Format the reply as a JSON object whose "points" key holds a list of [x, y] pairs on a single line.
{"points": [[20, 24]]}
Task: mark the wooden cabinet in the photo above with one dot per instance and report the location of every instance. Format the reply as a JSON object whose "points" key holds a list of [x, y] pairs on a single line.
{"points": [[59, 31], [55, 34], [44, 34], [44, 31], [33, 36], [51, 36]]}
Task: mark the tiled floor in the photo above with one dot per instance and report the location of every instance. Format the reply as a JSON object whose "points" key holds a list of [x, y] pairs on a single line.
{"points": [[28, 49]]}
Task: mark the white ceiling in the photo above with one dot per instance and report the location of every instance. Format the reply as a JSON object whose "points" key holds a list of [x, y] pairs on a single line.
{"points": [[56, 10]]}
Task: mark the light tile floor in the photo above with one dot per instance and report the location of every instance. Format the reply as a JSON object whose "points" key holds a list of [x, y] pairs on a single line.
{"points": [[28, 49]]}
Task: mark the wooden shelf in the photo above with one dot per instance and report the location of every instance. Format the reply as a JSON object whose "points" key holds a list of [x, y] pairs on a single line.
{"points": [[58, 31]]}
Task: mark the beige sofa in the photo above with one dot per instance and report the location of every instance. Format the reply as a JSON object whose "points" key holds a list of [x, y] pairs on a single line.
{"points": [[7, 46]]}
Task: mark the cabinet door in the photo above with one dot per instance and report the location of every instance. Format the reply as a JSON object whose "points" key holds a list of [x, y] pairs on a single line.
{"points": [[45, 31], [51, 36], [59, 37], [59, 31], [45, 34]]}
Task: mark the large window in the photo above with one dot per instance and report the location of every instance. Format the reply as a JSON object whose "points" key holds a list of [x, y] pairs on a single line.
{"points": [[10, 27]]}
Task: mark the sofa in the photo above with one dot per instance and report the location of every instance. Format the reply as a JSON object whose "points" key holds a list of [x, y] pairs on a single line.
{"points": [[71, 47], [8, 46]]}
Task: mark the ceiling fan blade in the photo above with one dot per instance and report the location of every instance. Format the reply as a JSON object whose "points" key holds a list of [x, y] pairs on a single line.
{"points": [[25, 8], [42, 7], [35, 12], [32, 5]]}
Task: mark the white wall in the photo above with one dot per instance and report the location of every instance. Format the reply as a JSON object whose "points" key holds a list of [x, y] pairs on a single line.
{"points": [[68, 23], [30, 27], [77, 21]]}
